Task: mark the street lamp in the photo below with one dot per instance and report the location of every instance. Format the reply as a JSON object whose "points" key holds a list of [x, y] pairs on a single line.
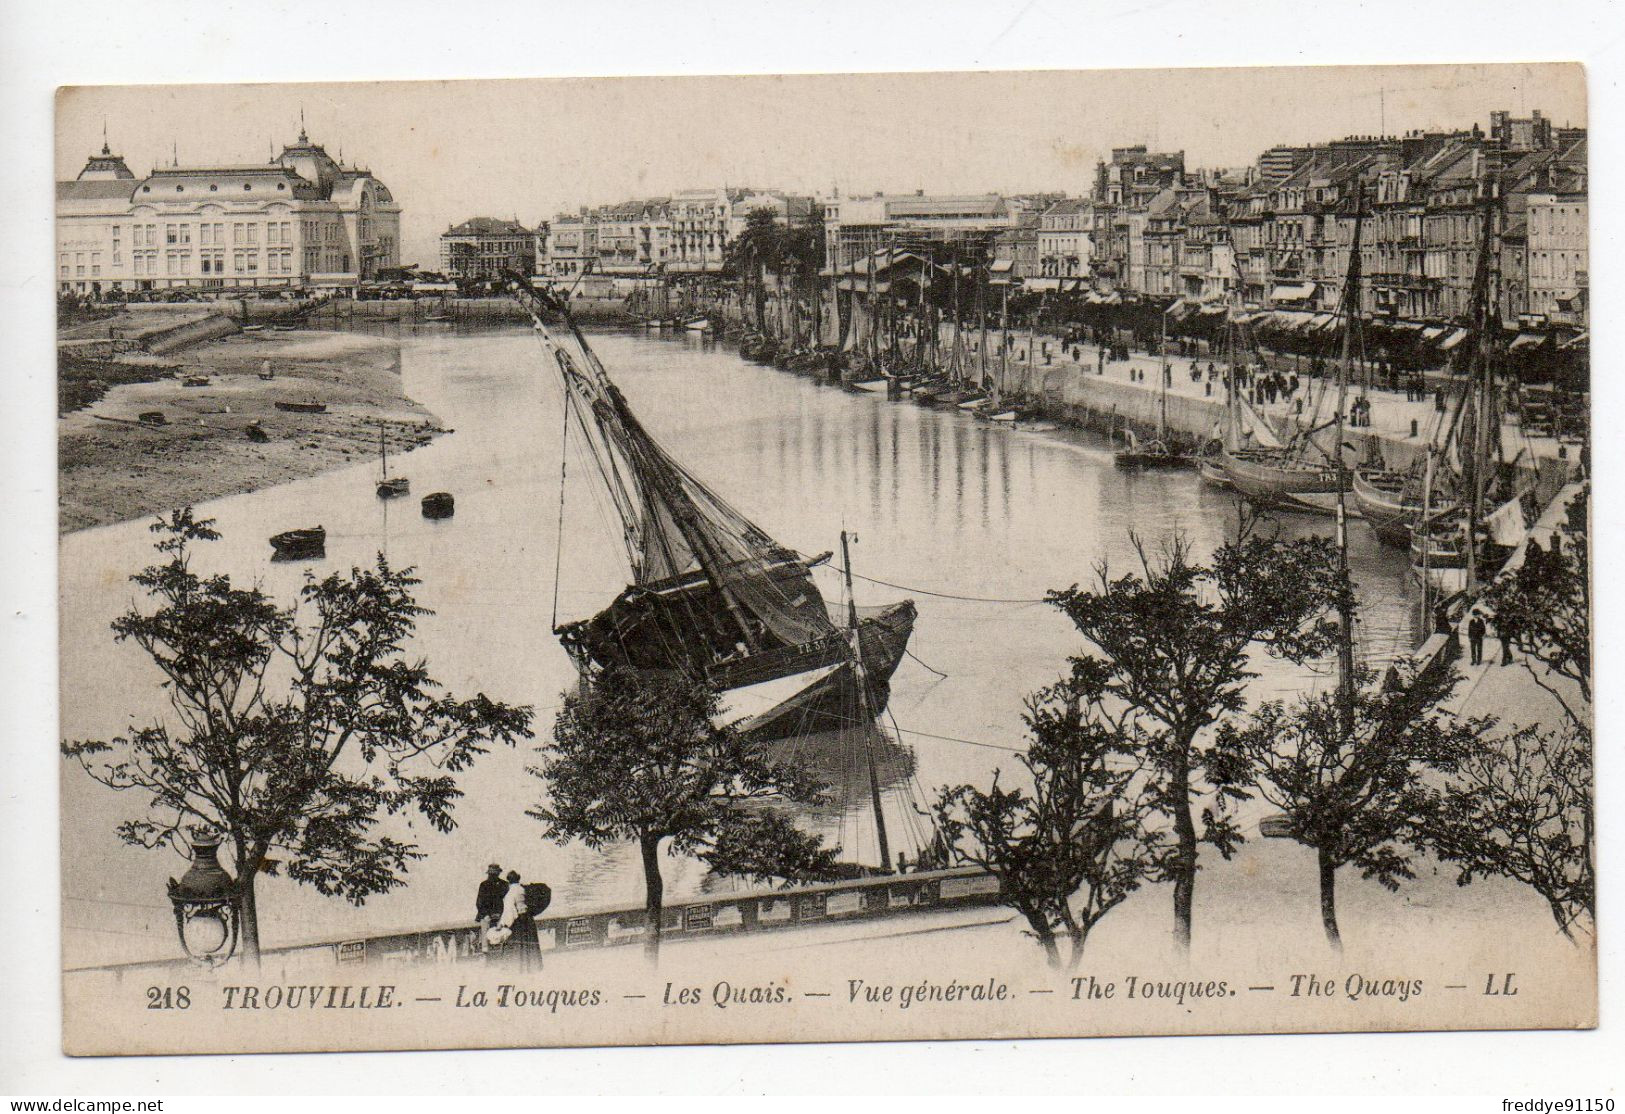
{"points": [[205, 904]]}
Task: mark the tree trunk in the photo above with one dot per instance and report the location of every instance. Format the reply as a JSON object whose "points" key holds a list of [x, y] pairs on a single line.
{"points": [[1184, 858], [1080, 937], [654, 897], [1046, 940], [248, 916], [1328, 899]]}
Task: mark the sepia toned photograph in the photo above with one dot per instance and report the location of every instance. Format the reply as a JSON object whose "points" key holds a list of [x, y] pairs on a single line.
{"points": [[690, 560]]}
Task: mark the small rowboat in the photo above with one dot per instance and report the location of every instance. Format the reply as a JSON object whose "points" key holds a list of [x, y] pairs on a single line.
{"points": [[393, 486], [299, 545], [303, 407], [196, 381], [439, 504], [152, 417]]}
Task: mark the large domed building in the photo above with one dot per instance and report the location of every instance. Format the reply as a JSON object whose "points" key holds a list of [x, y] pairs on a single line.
{"points": [[302, 219]]}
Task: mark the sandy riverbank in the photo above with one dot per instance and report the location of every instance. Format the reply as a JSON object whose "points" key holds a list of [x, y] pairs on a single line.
{"points": [[110, 471]]}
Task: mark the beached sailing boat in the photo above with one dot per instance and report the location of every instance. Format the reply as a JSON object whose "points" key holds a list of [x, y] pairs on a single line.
{"points": [[388, 486], [711, 594]]}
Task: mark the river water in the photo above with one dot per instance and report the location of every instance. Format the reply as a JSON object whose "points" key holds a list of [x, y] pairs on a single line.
{"points": [[939, 502]]}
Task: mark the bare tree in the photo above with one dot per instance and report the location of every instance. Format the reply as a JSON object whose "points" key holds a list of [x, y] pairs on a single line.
{"points": [[1520, 807], [1081, 832], [1173, 638], [1348, 781], [640, 758]]}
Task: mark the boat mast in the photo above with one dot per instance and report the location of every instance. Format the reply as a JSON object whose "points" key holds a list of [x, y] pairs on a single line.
{"points": [[958, 342], [872, 319], [1484, 386], [383, 455], [1345, 598], [1004, 341], [865, 715], [981, 328]]}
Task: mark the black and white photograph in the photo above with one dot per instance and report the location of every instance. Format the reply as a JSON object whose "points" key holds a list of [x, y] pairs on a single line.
{"points": [[824, 557]]}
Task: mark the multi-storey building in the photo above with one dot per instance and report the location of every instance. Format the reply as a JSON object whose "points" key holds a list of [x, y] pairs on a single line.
{"points": [[1558, 245], [634, 237], [301, 219], [484, 247], [571, 246], [1066, 239], [1135, 176]]}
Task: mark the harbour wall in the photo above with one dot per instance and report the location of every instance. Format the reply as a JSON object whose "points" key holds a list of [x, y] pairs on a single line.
{"points": [[716, 915], [456, 309]]}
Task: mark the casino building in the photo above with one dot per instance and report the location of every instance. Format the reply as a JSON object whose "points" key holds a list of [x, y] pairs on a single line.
{"points": [[301, 220]]}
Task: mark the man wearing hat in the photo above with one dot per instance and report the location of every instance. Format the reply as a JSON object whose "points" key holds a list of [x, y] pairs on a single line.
{"points": [[488, 902]]}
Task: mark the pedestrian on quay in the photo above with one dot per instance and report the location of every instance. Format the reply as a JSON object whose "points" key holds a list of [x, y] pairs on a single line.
{"points": [[524, 941], [1475, 637], [488, 900], [1504, 636]]}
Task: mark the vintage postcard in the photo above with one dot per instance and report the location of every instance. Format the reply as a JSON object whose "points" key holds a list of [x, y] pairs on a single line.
{"points": [[867, 557]]}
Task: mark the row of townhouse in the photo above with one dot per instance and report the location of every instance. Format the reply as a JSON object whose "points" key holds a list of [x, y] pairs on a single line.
{"points": [[1279, 234], [686, 233]]}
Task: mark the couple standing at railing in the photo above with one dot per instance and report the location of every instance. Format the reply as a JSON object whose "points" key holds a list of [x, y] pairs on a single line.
{"points": [[506, 911]]}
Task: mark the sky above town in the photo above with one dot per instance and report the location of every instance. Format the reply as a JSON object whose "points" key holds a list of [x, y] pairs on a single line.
{"points": [[528, 149]]}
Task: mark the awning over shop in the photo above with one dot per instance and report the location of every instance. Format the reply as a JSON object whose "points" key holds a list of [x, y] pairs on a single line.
{"points": [[1001, 266], [1042, 283], [1180, 309], [1292, 292], [1433, 332], [1324, 322], [1579, 340], [1451, 339], [1526, 340]]}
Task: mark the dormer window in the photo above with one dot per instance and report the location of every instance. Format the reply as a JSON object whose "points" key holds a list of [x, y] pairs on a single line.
{"points": [[213, 188], [282, 185], [247, 186], [180, 189]]}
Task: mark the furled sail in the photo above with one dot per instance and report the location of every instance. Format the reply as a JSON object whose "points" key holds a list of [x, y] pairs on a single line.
{"points": [[674, 525]]}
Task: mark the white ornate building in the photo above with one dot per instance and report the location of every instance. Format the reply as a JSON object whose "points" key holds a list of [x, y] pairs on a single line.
{"points": [[300, 220]]}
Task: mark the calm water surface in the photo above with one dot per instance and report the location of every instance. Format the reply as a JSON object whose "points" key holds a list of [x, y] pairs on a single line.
{"points": [[939, 502]]}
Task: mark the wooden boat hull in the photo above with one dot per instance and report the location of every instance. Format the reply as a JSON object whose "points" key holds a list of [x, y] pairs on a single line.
{"points": [[1383, 507], [1148, 459], [439, 504], [1280, 485], [830, 700], [394, 488], [667, 627], [299, 545], [303, 407], [1213, 473]]}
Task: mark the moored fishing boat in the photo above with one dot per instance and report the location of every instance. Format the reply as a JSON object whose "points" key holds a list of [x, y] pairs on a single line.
{"points": [[1380, 495], [304, 544], [711, 595]]}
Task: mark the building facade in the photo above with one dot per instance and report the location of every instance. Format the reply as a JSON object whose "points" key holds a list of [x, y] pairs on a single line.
{"points": [[485, 247], [300, 220], [1066, 239]]}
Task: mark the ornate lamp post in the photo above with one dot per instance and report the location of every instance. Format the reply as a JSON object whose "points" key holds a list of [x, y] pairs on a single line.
{"points": [[205, 900]]}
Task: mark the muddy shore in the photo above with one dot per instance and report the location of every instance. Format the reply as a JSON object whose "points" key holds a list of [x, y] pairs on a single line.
{"points": [[112, 467]]}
